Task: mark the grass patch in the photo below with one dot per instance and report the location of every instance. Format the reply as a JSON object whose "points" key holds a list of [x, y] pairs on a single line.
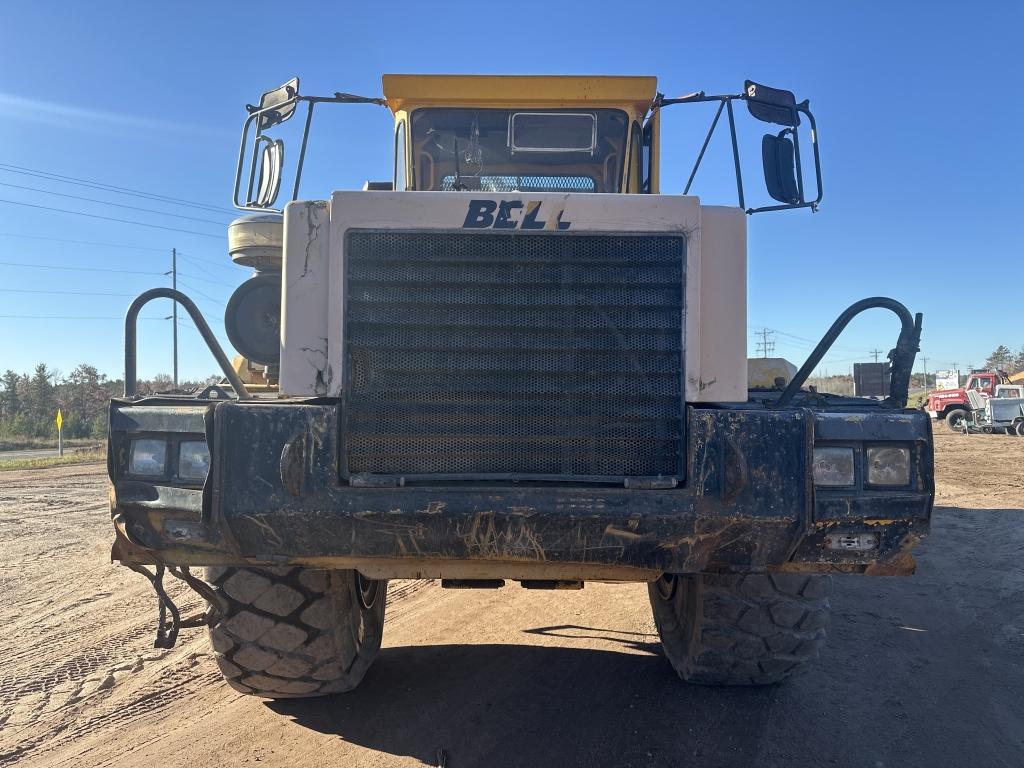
{"points": [[29, 443], [42, 462]]}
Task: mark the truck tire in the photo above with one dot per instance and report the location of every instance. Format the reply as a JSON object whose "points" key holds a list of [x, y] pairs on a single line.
{"points": [[295, 632], [1019, 428], [747, 629], [955, 418]]}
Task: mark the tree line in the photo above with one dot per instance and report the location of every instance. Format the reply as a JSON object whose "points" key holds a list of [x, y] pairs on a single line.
{"points": [[29, 401], [1002, 359]]}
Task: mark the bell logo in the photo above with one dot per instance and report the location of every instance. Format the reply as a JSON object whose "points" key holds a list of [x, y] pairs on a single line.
{"points": [[514, 214]]}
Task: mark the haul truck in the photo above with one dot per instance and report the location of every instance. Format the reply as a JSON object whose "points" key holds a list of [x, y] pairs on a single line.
{"points": [[517, 360]]}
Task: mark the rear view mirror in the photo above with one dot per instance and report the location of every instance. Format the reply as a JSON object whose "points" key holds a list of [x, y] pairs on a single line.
{"points": [[271, 164], [771, 105], [779, 159], [280, 104]]}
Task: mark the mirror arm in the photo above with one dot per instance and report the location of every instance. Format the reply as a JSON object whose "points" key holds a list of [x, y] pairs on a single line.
{"points": [[302, 150], [735, 153], [703, 149]]}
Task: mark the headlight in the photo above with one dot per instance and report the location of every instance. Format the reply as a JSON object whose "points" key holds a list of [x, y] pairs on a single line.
{"points": [[193, 460], [888, 465], [149, 457], [833, 466]]}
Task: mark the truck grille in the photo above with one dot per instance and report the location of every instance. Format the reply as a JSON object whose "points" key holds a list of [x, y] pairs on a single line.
{"points": [[552, 356]]}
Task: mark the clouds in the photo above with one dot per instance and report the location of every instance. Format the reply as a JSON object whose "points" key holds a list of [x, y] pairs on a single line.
{"points": [[73, 117]]}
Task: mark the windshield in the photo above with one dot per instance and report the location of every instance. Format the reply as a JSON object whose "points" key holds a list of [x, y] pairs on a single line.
{"points": [[502, 150]]}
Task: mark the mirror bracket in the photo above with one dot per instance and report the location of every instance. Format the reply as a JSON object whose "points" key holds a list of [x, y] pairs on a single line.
{"points": [[768, 105], [275, 107]]}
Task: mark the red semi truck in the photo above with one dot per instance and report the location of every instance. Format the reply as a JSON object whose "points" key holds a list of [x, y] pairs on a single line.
{"points": [[952, 405]]}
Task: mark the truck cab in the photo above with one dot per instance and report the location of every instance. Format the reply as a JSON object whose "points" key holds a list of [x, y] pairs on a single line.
{"points": [[954, 405], [516, 361]]}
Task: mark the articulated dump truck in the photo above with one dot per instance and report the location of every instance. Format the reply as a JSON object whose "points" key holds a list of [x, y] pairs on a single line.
{"points": [[517, 360]]}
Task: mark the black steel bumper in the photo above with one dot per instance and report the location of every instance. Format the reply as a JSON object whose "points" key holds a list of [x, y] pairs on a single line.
{"points": [[274, 495]]}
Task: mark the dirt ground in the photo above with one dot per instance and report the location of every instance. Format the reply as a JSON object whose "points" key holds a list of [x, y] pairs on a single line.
{"points": [[925, 671]]}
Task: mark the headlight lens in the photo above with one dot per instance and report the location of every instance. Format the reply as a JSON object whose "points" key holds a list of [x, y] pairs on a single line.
{"points": [[148, 457], [193, 460], [833, 467], [888, 465]]}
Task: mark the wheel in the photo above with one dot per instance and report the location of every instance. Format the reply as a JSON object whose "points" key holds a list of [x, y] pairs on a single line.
{"points": [[955, 419], [748, 629], [295, 632], [1020, 428]]}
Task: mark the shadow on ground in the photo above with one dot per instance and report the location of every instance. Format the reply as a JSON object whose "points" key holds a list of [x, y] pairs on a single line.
{"points": [[926, 671], [519, 705]]}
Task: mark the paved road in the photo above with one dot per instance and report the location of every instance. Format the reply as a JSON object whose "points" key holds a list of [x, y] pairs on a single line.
{"points": [[27, 453]]}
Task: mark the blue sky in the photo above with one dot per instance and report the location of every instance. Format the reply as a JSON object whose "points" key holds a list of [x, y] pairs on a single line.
{"points": [[917, 107]]}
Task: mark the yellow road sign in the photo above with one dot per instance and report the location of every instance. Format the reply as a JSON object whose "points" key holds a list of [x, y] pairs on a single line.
{"points": [[60, 419]]}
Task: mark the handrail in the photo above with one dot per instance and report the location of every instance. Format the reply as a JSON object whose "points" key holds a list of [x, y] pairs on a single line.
{"points": [[902, 356], [131, 327]]}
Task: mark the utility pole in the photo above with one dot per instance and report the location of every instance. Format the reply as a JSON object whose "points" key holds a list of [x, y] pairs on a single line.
{"points": [[924, 364], [876, 353], [766, 347], [174, 310]]}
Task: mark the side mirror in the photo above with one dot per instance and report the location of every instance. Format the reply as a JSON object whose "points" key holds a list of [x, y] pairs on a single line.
{"points": [[779, 159], [279, 103], [771, 105], [271, 165]]}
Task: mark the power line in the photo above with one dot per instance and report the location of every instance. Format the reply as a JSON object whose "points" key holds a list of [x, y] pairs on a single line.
{"points": [[208, 260], [198, 264], [77, 269], [84, 242], [198, 292], [63, 293], [206, 279], [110, 187], [107, 202], [110, 218], [70, 317]]}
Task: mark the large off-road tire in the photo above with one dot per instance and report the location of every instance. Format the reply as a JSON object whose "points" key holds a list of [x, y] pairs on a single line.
{"points": [[295, 632], [752, 629], [955, 419]]}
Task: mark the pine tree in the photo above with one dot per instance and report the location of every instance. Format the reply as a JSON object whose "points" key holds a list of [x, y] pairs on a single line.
{"points": [[10, 400], [1000, 359]]}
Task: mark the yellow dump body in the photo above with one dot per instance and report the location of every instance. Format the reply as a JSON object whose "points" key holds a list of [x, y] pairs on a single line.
{"points": [[632, 95]]}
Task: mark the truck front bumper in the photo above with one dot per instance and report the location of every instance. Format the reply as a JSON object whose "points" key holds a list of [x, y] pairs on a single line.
{"points": [[274, 496]]}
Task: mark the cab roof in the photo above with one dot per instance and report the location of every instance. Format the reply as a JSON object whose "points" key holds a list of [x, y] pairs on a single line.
{"points": [[403, 92]]}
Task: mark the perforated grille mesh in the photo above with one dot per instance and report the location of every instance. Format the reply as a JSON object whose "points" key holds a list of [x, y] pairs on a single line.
{"points": [[520, 183], [555, 355]]}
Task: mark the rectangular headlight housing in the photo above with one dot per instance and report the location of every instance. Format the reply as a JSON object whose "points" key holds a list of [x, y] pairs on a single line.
{"points": [[148, 457], [193, 460], [888, 465], [833, 467]]}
